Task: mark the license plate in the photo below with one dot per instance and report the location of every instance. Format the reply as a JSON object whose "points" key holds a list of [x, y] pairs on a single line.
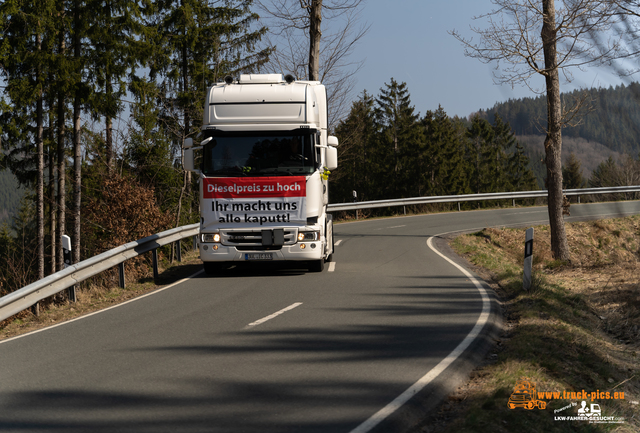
{"points": [[258, 256]]}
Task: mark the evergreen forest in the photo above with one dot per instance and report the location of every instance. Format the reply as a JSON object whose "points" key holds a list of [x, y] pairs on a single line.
{"points": [[609, 116], [387, 150], [10, 195], [98, 97]]}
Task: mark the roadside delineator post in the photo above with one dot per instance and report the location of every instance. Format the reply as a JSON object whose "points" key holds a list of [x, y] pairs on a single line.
{"points": [[66, 256], [528, 258], [355, 199]]}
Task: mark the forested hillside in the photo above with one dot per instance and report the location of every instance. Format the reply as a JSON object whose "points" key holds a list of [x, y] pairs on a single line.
{"points": [[387, 150], [610, 117], [10, 195]]}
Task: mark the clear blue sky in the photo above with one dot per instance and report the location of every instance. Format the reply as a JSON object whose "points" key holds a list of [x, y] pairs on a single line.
{"points": [[409, 41]]}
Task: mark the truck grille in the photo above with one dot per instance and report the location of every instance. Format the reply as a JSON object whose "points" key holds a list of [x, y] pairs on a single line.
{"points": [[253, 238]]}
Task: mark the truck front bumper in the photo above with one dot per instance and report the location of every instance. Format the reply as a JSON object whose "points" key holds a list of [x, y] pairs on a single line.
{"points": [[223, 253]]}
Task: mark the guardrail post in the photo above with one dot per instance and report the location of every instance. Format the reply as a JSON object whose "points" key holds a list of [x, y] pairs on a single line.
{"points": [[35, 309], [195, 243], [121, 282], [458, 206], [514, 202], [154, 254], [178, 251], [578, 199]]}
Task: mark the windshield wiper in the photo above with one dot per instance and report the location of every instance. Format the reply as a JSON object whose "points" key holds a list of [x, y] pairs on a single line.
{"points": [[229, 170], [281, 171]]}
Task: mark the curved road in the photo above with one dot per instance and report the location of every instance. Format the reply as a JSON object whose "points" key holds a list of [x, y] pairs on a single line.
{"points": [[273, 351]]}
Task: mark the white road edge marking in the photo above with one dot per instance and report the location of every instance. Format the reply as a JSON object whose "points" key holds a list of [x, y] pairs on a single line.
{"points": [[332, 266], [102, 311], [425, 380], [277, 313]]}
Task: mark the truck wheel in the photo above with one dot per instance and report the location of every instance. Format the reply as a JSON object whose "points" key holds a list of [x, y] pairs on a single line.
{"points": [[212, 268], [316, 265]]}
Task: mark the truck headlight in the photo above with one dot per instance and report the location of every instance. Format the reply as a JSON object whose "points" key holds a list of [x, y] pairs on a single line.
{"points": [[308, 236], [211, 237]]}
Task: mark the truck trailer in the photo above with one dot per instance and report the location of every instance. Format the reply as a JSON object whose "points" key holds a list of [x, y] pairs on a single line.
{"points": [[263, 163]]}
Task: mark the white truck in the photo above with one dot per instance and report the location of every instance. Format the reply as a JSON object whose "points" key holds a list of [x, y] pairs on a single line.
{"points": [[264, 159]]}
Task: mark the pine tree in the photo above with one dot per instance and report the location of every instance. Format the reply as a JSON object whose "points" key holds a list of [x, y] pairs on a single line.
{"points": [[117, 47], [604, 175], [401, 139], [196, 45], [504, 141], [445, 169], [480, 140], [572, 173], [148, 151], [28, 32], [519, 176], [357, 169]]}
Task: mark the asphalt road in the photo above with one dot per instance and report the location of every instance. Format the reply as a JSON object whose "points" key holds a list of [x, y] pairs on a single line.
{"points": [[273, 350]]}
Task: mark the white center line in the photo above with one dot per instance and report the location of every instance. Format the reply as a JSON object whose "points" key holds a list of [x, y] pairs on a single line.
{"points": [[277, 313], [395, 227], [332, 266], [338, 242]]}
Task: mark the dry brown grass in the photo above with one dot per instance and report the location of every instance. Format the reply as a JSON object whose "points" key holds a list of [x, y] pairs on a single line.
{"points": [[578, 328]]}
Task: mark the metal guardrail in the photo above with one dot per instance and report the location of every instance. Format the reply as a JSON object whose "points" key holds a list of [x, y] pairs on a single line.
{"points": [[28, 296], [475, 197]]}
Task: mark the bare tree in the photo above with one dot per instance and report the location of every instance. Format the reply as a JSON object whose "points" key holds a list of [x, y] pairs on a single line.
{"points": [[627, 25], [529, 38], [302, 48]]}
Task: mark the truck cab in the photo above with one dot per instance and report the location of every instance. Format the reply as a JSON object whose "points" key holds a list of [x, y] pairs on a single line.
{"points": [[265, 156]]}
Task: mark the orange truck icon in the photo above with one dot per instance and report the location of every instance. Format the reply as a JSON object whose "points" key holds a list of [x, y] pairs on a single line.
{"points": [[524, 395]]}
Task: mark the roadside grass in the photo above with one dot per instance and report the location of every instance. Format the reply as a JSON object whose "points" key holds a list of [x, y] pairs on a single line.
{"points": [[92, 296], [576, 329]]}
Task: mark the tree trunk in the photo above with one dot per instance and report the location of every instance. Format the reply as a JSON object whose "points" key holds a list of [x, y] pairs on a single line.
{"points": [[315, 33], [40, 184], [109, 143], [553, 141], [77, 180], [186, 185], [108, 139], [77, 151], [61, 180], [52, 200], [61, 170]]}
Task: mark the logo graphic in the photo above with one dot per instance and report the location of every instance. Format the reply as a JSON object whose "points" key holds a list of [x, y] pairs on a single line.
{"points": [[589, 412], [525, 396]]}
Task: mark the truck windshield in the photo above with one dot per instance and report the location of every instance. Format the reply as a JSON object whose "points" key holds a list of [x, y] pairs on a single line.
{"points": [[259, 154]]}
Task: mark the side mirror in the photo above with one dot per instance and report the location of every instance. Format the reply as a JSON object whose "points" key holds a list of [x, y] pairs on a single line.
{"points": [[332, 157], [187, 162], [332, 141]]}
